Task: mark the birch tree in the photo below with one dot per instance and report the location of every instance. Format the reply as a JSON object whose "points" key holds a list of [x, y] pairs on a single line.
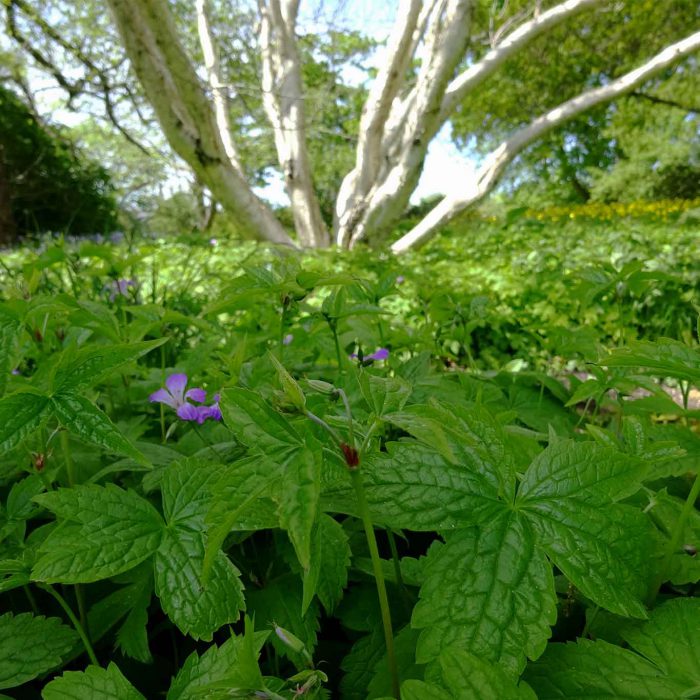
{"points": [[437, 59]]}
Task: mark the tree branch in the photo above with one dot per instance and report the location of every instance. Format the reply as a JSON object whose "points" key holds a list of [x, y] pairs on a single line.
{"points": [[464, 83], [487, 176], [662, 101]]}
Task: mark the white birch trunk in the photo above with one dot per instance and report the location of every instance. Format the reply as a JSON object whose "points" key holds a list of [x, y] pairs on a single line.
{"points": [[487, 176], [283, 100], [415, 120], [188, 121]]}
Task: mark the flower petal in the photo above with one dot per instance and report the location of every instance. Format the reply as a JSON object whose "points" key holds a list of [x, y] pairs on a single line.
{"points": [[176, 384], [196, 394], [381, 354], [187, 411], [162, 396]]}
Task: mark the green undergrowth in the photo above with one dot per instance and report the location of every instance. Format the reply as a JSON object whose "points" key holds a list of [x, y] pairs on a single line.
{"points": [[470, 472]]}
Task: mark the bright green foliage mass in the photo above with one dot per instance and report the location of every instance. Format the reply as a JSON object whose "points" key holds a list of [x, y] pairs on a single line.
{"points": [[329, 478]]}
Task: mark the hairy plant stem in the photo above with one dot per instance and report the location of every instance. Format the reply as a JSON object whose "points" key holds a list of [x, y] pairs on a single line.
{"points": [[74, 620], [366, 518], [676, 536]]}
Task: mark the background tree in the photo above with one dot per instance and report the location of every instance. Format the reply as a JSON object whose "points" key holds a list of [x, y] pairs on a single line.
{"points": [[45, 184], [459, 60]]}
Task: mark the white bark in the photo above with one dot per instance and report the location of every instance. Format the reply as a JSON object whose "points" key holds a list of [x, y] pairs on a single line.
{"points": [[283, 101], [415, 120], [185, 114], [488, 175], [410, 124]]}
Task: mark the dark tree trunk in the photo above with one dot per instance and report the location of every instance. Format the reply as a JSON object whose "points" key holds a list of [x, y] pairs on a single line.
{"points": [[8, 226]]}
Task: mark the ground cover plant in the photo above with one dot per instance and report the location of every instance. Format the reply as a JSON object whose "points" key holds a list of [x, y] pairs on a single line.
{"points": [[228, 471]]}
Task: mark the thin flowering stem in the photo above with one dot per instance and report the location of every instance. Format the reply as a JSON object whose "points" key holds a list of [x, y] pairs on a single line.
{"points": [[319, 421], [74, 620], [348, 414]]}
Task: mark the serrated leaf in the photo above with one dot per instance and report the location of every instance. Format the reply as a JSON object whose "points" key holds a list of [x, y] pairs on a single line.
{"points": [[383, 394], [240, 501], [330, 558], [471, 438], [218, 663], [599, 671], [671, 640], [411, 486], [94, 682], [257, 425], [279, 602], [88, 366], [187, 492], [470, 678], [106, 531], [358, 665], [298, 497], [20, 414], [132, 636], [420, 690], [197, 610], [31, 645], [604, 549], [489, 590], [87, 422], [583, 471], [664, 357]]}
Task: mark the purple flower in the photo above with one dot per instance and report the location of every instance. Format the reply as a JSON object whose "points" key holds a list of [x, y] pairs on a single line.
{"points": [[15, 371], [381, 354], [119, 288], [175, 396], [400, 279], [287, 339], [213, 242]]}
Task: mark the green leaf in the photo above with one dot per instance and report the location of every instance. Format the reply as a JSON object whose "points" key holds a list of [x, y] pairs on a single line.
{"points": [[358, 665], [20, 414], [327, 575], [472, 438], [420, 690], [412, 487], [240, 501], [568, 492], [257, 425], [666, 665], [489, 590], [95, 682], [218, 663], [664, 357], [383, 394], [31, 645], [599, 671], [671, 640], [132, 636], [105, 531], [197, 610], [10, 329], [405, 653], [471, 678], [87, 422], [298, 495], [290, 386], [187, 492], [279, 602], [88, 366], [583, 471]]}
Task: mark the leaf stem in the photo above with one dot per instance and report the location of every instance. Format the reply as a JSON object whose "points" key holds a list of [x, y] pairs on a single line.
{"points": [[74, 620], [676, 535], [363, 507]]}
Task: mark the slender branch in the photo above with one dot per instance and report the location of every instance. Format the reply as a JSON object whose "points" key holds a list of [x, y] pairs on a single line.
{"points": [[663, 101], [507, 47], [487, 176]]}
